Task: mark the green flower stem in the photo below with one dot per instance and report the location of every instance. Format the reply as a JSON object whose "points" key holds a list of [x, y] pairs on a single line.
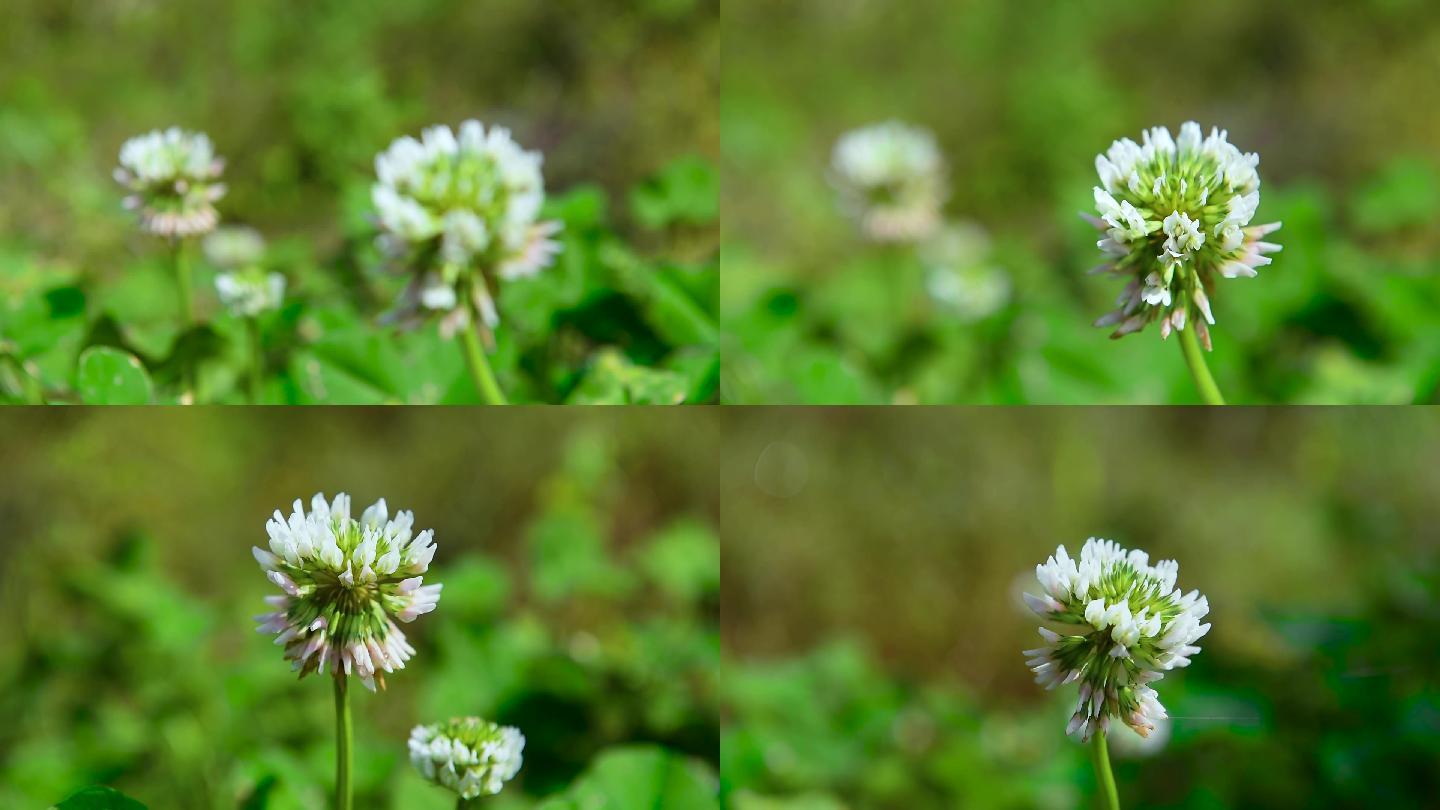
{"points": [[181, 257], [479, 366], [1103, 775], [463, 803], [182, 283], [257, 359], [344, 735], [1195, 359]]}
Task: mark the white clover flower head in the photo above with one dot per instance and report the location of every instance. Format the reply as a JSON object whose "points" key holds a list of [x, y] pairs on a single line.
{"points": [[1125, 625], [958, 274], [173, 179], [1175, 216], [345, 584], [234, 247], [249, 292], [468, 755], [891, 180], [461, 209]]}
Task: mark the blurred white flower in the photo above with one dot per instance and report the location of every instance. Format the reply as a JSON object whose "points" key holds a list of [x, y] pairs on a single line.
{"points": [[249, 292], [461, 208], [173, 179], [1175, 214], [891, 179], [468, 755], [958, 274], [1126, 625], [346, 582]]}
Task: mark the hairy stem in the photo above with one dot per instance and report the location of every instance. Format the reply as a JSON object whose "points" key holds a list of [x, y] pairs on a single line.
{"points": [[344, 734], [1195, 360], [479, 365], [1100, 754]]}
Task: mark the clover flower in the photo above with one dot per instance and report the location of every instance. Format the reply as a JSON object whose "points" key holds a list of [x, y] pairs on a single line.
{"points": [[891, 179], [1176, 214], [461, 209], [958, 274], [249, 292], [1126, 625], [245, 288], [471, 756], [346, 582], [173, 178]]}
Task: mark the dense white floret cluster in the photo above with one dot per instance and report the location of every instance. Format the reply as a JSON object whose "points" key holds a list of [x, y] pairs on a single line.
{"points": [[468, 755], [460, 209], [173, 177], [959, 275], [891, 179], [1175, 215], [1124, 625], [247, 293], [346, 582]]}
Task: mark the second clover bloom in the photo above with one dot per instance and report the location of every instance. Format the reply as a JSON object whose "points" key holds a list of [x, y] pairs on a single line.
{"points": [[1122, 625], [173, 177], [245, 289], [1175, 216], [249, 292], [891, 179], [468, 755], [959, 274], [461, 210], [346, 583]]}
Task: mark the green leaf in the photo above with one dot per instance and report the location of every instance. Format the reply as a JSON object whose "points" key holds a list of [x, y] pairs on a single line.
{"points": [[111, 377], [683, 560], [614, 380], [641, 778], [686, 191], [99, 798], [745, 800], [569, 557], [1404, 194], [19, 381], [666, 305]]}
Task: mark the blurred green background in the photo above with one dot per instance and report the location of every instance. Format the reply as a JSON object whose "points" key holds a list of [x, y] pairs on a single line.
{"points": [[580, 568], [1337, 96], [620, 97], [874, 561]]}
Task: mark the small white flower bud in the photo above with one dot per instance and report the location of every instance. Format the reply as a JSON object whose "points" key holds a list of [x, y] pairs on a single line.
{"points": [[468, 755]]}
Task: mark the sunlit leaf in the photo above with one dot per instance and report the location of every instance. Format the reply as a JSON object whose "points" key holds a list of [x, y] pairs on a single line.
{"points": [[112, 377]]}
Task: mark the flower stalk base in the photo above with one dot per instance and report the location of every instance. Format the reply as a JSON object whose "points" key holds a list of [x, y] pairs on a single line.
{"points": [[1195, 361], [344, 736], [1100, 754], [479, 366]]}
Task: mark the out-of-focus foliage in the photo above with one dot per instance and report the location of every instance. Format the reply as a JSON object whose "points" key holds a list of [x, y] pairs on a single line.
{"points": [[580, 567], [1337, 98], [874, 563], [619, 96]]}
